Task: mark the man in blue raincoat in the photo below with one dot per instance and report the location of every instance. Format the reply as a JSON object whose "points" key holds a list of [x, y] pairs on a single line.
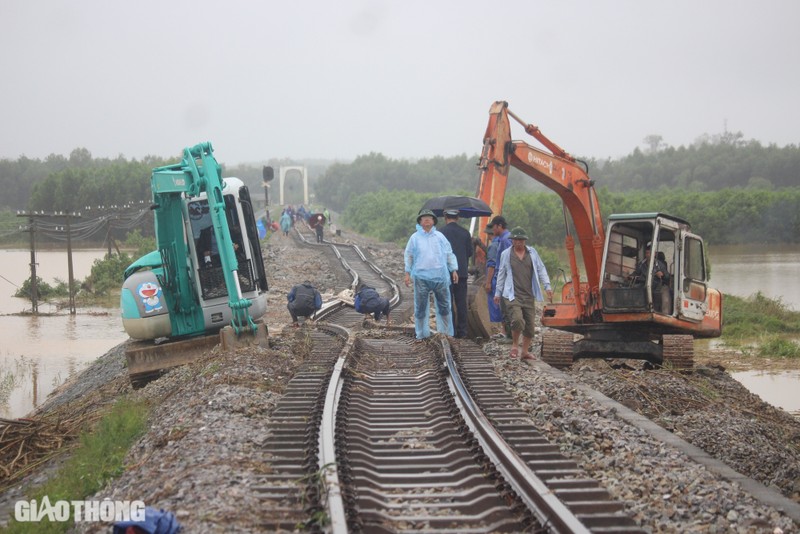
{"points": [[286, 222], [430, 262]]}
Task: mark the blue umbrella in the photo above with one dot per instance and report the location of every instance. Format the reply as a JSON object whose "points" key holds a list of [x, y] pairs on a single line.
{"points": [[467, 206]]}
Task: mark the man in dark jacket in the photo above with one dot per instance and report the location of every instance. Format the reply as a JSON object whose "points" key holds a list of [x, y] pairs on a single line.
{"points": [[304, 301], [368, 300], [500, 242], [461, 243], [318, 221], [660, 284]]}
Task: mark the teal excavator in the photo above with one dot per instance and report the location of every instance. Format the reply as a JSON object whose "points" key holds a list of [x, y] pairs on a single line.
{"points": [[206, 277]]}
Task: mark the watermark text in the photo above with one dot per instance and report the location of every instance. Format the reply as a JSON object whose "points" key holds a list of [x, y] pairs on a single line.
{"points": [[78, 511]]}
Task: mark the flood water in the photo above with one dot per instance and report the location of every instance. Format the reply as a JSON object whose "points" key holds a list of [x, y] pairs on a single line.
{"points": [[39, 353], [779, 389], [743, 270], [773, 270]]}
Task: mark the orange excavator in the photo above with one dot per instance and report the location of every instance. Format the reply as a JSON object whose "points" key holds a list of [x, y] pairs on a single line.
{"points": [[626, 306]]}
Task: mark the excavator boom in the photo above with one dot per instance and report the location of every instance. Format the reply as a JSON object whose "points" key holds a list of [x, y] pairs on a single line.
{"points": [[189, 179], [556, 170]]}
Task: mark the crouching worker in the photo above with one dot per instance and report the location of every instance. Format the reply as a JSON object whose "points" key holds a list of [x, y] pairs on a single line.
{"points": [[304, 301], [368, 300]]}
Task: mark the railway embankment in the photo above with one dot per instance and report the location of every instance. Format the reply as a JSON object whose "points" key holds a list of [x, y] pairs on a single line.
{"points": [[199, 457]]}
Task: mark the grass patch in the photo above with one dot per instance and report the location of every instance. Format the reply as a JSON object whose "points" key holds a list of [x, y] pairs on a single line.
{"points": [[777, 347], [758, 326], [8, 381], [97, 459], [756, 316]]}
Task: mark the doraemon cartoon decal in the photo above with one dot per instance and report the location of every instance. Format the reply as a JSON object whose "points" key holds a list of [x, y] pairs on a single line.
{"points": [[150, 294]]}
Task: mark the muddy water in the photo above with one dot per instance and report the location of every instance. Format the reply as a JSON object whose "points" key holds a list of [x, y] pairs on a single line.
{"points": [[743, 270], [779, 389], [773, 270], [38, 353]]}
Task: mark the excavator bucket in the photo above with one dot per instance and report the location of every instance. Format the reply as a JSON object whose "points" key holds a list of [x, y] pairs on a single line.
{"points": [[478, 323], [230, 341], [147, 361]]}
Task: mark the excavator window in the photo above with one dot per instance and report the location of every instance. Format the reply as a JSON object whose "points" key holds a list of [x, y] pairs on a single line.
{"points": [[694, 269], [694, 266], [209, 263], [620, 259], [202, 232]]}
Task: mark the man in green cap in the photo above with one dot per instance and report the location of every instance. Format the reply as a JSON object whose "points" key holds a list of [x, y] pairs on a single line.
{"points": [[520, 279]]}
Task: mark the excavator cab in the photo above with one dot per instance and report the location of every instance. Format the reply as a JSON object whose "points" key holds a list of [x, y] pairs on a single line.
{"points": [[652, 263], [204, 249], [637, 276], [654, 296]]}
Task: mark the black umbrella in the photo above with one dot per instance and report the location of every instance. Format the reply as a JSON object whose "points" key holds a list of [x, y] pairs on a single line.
{"points": [[467, 206]]}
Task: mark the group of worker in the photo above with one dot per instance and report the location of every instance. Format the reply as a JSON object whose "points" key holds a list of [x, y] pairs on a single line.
{"points": [[436, 262], [317, 221], [305, 301]]}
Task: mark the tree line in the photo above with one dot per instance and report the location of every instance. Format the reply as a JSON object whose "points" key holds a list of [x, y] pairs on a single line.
{"points": [[726, 217], [712, 163], [707, 165], [70, 184], [731, 190]]}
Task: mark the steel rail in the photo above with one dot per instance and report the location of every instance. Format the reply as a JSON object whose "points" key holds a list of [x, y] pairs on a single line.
{"points": [[395, 290], [548, 508], [332, 498]]}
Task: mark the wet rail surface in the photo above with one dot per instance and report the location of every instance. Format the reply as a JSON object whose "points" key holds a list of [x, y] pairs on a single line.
{"points": [[408, 459], [380, 432]]}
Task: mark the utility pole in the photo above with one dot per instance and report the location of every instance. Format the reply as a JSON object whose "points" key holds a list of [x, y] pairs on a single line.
{"points": [[34, 278], [71, 273], [34, 281], [34, 285], [108, 236], [71, 282]]}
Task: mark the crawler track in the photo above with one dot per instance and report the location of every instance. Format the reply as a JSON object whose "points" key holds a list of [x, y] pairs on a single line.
{"points": [[379, 432]]}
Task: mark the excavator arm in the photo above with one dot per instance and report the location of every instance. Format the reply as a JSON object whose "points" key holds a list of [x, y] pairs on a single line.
{"points": [[558, 171], [198, 172]]}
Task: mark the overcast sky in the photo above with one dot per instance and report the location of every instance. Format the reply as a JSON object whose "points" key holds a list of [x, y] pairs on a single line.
{"points": [[406, 78]]}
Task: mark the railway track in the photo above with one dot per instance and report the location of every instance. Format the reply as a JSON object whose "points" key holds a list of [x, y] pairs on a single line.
{"points": [[380, 432]]}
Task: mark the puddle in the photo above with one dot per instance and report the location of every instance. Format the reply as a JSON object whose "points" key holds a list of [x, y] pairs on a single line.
{"points": [[777, 388]]}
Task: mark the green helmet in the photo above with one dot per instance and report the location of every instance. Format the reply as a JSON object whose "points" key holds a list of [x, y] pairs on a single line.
{"points": [[428, 213], [519, 233]]}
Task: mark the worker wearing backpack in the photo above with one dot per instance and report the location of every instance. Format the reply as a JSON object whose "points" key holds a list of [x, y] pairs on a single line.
{"points": [[368, 300]]}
